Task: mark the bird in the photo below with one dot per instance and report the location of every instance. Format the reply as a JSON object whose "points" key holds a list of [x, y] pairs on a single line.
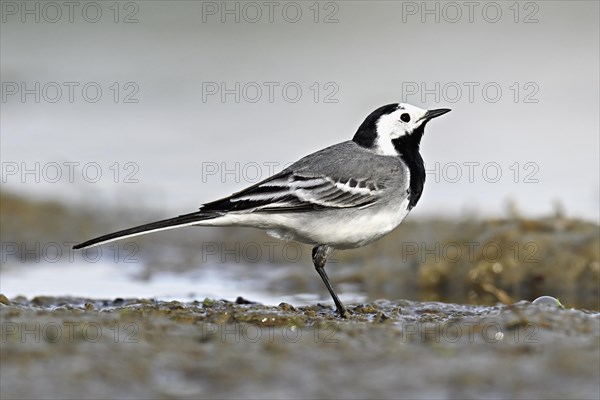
{"points": [[344, 196]]}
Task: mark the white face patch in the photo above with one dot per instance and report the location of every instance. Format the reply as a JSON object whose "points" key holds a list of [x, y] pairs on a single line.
{"points": [[391, 126]]}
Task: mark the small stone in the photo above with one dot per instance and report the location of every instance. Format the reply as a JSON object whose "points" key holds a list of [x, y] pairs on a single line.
{"points": [[380, 317], [286, 307], [4, 300], [241, 300], [548, 301], [208, 302]]}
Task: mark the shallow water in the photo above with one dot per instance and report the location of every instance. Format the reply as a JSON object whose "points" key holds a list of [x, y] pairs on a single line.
{"points": [[110, 280]]}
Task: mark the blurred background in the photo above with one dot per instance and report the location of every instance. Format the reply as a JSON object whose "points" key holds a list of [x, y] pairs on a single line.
{"points": [[116, 113]]}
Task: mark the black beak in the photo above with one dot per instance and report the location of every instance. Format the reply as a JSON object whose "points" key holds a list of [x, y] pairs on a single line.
{"points": [[430, 114]]}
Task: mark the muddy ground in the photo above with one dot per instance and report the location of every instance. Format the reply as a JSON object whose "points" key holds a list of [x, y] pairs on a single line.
{"points": [[136, 348]]}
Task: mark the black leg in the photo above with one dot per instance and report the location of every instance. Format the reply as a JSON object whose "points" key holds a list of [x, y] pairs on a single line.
{"points": [[319, 256]]}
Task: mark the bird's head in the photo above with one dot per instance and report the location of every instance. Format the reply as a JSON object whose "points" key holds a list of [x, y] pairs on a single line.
{"points": [[388, 126]]}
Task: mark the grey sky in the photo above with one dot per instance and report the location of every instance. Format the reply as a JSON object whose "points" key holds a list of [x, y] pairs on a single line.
{"points": [[541, 131]]}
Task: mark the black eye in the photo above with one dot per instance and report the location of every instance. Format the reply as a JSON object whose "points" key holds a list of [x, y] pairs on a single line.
{"points": [[405, 117]]}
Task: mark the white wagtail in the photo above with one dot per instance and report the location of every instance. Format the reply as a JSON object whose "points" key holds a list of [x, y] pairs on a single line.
{"points": [[344, 196]]}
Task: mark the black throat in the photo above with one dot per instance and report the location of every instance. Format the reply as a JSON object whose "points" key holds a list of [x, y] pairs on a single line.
{"points": [[408, 148]]}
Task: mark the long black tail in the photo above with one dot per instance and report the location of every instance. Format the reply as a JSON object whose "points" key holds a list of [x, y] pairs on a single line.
{"points": [[182, 220]]}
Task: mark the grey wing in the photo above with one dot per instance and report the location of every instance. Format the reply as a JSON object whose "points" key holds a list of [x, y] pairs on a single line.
{"points": [[341, 176], [298, 192]]}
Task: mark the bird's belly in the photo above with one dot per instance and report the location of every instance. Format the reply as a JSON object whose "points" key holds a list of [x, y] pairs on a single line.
{"points": [[344, 229]]}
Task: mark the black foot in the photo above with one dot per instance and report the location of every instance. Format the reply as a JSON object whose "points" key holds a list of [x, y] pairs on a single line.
{"points": [[343, 313]]}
